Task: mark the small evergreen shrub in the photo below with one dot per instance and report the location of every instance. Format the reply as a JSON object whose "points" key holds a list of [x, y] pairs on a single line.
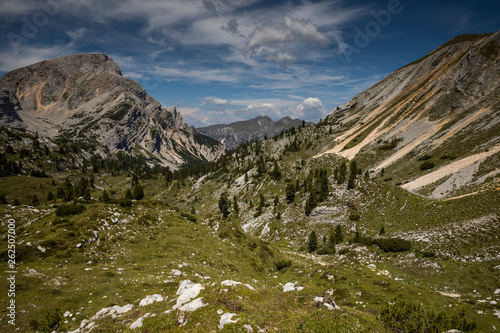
{"points": [[282, 264], [427, 165], [189, 217], [69, 209]]}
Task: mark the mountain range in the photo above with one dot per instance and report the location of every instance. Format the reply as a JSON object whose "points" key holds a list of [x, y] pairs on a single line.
{"points": [[231, 135]]}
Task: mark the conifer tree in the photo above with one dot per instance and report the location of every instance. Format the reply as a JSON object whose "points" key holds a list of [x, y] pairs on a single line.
{"points": [[330, 244], [310, 204], [224, 205], [342, 173], [275, 173], [236, 208], [86, 195], [382, 231], [105, 197], [312, 244], [138, 192], [339, 236], [290, 193]]}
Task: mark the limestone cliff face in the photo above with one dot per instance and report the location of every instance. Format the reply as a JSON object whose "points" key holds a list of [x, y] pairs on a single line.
{"points": [[85, 97], [444, 107]]}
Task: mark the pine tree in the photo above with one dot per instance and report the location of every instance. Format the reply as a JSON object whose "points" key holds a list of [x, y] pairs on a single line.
{"points": [[138, 192], [382, 231], [224, 205], [312, 244], [86, 195], [354, 167], [339, 236], [324, 187], [330, 244], [275, 173], [342, 173], [262, 201], [310, 204], [236, 208], [351, 183], [290, 193], [105, 197], [276, 201]]}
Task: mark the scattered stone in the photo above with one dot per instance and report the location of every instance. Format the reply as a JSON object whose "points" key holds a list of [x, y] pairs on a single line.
{"points": [[235, 283], [248, 328], [175, 272], [150, 299], [138, 322], [226, 318], [290, 286], [42, 249], [193, 305], [187, 291], [123, 309], [497, 291]]}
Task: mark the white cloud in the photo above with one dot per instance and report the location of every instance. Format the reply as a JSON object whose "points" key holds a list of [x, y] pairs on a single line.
{"points": [[215, 101], [283, 42], [310, 108], [203, 75]]}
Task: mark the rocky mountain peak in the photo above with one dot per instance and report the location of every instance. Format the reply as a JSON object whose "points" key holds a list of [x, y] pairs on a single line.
{"points": [[86, 97]]}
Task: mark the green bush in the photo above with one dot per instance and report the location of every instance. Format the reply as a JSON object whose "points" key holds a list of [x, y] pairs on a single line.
{"points": [[385, 244], [354, 217], [189, 217], [427, 165], [393, 244], [69, 209], [126, 202], [282, 263], [424, 157], [52, 321]]}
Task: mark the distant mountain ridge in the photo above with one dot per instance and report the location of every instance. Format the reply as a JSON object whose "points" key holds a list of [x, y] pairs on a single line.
{"points": [[85, 97], [231, 135]]}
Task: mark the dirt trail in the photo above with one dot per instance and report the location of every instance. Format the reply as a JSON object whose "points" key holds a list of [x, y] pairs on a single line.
{"points": [[318, 261], [449, 169]]}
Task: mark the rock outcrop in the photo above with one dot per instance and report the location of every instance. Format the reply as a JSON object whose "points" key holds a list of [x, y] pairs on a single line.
{"points": [[85, 97]]}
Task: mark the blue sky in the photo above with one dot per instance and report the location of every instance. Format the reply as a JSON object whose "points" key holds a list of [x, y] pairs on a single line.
{"points": [[220, 61]]}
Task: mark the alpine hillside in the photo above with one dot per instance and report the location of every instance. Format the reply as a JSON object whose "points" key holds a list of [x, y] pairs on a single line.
{"points": [[231, 135], [432, 126], [85, 97]]}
